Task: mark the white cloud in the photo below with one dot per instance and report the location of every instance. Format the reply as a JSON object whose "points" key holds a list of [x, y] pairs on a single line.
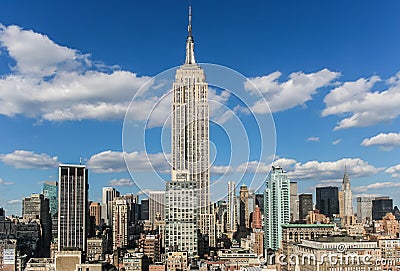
{"points": [[337, 141], [384, 141], [330, 170], [56, 83], [296, 91], [121, 182], [29, 159], [373, 186], [313, 139], [254, 167], [394, 171], [113, 161], [14, 201], [360, 105], [221, 170], [2, 182]]}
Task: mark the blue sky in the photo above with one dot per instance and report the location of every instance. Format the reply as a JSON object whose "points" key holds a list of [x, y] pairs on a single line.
{"points": [[328, 69]]}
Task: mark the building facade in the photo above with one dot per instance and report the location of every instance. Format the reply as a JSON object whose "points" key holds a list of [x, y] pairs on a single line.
{"points": [[156, 206], [276, 207], [109, 194], [73, 206], [305, 205], [294, 202], [364, 209], [232, 213], [327, 200], [381, 206]]}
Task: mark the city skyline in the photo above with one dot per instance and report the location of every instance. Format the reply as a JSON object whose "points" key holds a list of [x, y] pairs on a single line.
{"points": [[308, 98]]}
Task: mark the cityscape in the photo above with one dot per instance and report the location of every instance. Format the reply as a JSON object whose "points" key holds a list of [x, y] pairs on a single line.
{"points": [[176, 204]]}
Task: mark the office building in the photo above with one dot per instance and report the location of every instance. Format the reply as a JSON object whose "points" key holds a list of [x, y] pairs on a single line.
{"points": [[244, 221], [156, 206], [37, 207], [50, 192], [347, 196], [305, 205], [95, 211], [327, 200], [364, 209], [144, 209], [294, 202], [190, 155], [232, 213], [73, 206], [276, 207], [381, 206], [109, 194]]}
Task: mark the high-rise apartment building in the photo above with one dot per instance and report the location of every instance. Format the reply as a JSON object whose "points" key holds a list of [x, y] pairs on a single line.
{"points": [[305, 205], [244, 207], [73, 206], [327, 201], [190, 156], [276, 207], [120, 223], [109, 194], [294, 202], [232, 221]]}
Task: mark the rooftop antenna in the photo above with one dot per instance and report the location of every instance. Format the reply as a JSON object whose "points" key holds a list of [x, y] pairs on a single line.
{"points": [[190, 19], [80, 160]]}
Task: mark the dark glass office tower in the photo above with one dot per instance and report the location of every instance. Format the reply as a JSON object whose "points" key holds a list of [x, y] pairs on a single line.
{"points": [[305, 205], [381, 206], [327, 200]]}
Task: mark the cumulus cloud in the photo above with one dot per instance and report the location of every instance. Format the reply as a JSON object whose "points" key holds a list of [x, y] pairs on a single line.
{"points": [[29, 159], [375, 186], [221, 170], [121, 182], [313, 139], [113, 161], [297, 90], [14, 201], [56, 83], [360, 105], [394, 171], [384, 141]]}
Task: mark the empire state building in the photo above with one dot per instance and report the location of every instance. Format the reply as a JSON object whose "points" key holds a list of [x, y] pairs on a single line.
{"points": [[188, 209]]}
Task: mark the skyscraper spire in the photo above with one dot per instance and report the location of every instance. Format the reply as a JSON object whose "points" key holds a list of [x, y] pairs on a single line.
{"points": [[190, 42]]}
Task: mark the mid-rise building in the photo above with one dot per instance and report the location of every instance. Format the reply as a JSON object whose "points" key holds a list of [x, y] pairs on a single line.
{"points": [[276, 207], [305, 205], [144, 209], [50, 192], [327, 200], [73, 206]]}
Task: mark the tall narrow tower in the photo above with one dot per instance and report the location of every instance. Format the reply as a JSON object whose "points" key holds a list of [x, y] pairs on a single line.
{"points": [[190, 145], [347, 196], [72, 206]]}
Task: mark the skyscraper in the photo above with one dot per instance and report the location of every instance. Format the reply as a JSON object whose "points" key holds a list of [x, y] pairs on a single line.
{"points": [[109, 194], [190, 152], [364, 209], [120, 223], [347, 196], [244, 207], [381, 206], [95, 211], [294, 202], [232, 221], [37, 207], [327, 201], [50, 191], [156, 205], [305, 205], [276, 207], [73, 206]]}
